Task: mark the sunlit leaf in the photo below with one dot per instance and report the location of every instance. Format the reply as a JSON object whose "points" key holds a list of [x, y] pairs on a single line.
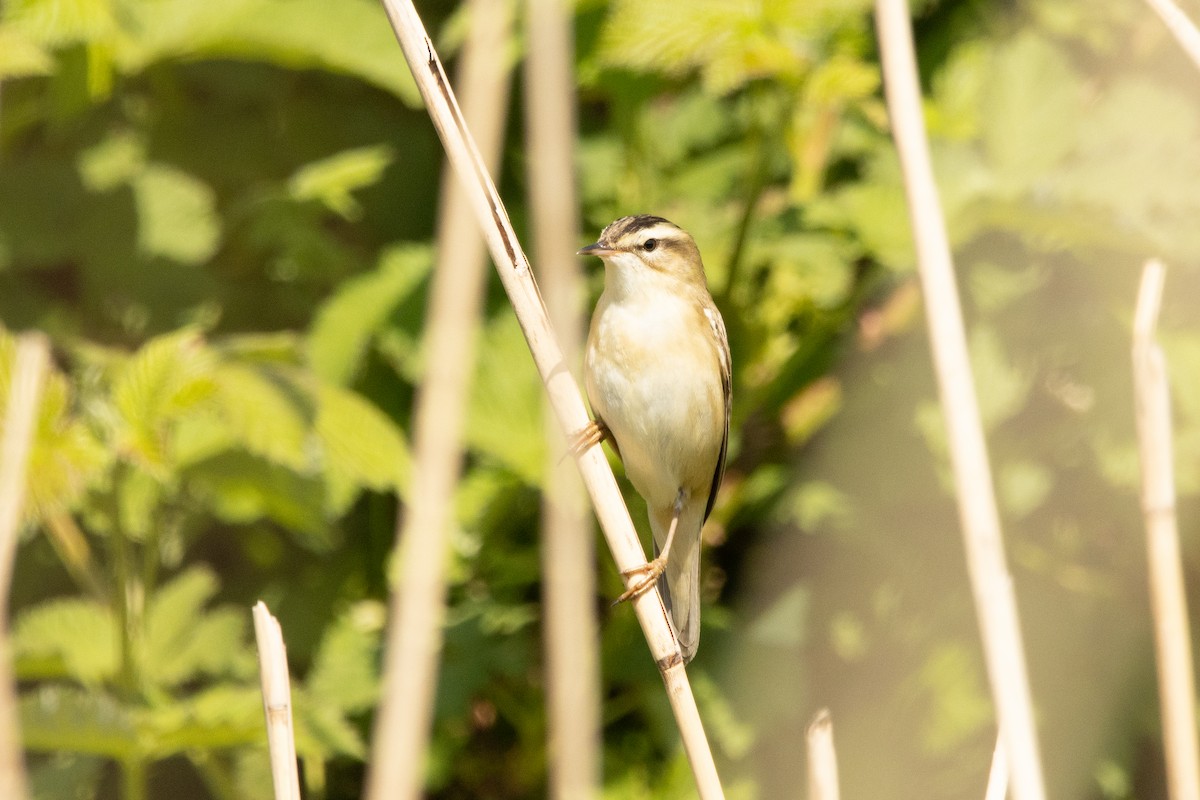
{"points": [[345, 671], [334, 179], [66, 638], [55, 718], [351, 37], [1032, 109], [221, 716], [20, 55], [264, 415], [54, 23], [504, 417], [177, 216], [185, 640], [168, 376], [345, 324], [363, 448]]}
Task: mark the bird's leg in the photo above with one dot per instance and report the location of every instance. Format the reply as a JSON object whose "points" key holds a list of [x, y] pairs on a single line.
{"points": [[589, 436], [651, 571]]}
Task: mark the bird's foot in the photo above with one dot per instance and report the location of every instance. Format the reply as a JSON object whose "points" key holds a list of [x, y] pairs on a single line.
{"points": [[589, 436], [651, 571]]}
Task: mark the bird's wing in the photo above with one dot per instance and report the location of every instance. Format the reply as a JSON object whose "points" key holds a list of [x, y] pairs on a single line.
{"points": [[721, 340]]}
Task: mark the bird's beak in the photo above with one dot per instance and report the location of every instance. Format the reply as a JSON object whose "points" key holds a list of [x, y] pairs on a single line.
{"points": [[596, 249]]}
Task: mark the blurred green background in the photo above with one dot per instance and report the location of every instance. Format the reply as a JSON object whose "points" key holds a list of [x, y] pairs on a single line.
{"points": [[222, 213]]}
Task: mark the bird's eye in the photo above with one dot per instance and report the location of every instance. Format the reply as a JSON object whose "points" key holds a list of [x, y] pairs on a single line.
{"points": [[649, 245]]}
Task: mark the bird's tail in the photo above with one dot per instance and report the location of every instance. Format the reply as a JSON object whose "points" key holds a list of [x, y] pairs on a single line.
{"points": [[680, 583]]}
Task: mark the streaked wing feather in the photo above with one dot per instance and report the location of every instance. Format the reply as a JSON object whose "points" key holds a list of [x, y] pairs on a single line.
{"points": [[717, 326]]}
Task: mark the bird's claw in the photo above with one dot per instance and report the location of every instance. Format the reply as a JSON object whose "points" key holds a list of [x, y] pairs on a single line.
{"points": [[651, 572], [588, 436]]}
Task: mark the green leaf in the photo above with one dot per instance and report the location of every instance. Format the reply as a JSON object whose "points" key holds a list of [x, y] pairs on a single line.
{"points": [[1032, 109], [66, 638], [323, 732], [362, 447], [184, 641], [504, 418], [1023, 486], [345, 672], [20, 55], [959, 706], [58, 718], [334, 179], [54, 23], [241, 488], [265, 415], [115, 161], [221, 716], [167, 377], [346, 323], [350, 37], [177, 217]]}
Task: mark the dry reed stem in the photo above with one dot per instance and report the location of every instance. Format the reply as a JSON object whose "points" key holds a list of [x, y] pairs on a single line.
{"points": [[568, 552], [515, 275], [1172, 639], [277, 702], [417, 607], [30, 364], [991, 584], [997, 785], [1182, 28], [822, 758]]}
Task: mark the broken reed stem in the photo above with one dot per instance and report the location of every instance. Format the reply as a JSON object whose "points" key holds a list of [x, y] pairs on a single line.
{"points": [[1168, 602], [1182, 28], [31, 362], [515, 275], [822, 758], [991, 584], [997, 785], [277, 703], [568, 551], [418, 599]]}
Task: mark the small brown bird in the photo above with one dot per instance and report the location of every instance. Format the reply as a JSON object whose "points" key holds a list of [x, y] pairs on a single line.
{"points": [[658, 375]]}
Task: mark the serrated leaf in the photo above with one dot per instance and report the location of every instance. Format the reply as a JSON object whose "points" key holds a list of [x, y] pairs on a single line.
{"points": [[241, 488], [345, 671], [504, 418], [346, 322], [363, 448], [322, 732], [333, 180], [265, 415], [1031, 110], [21, 56], [66, 638], [55, 23], [166, 377], [183, 640], [177, 217], [56, 718], [221, 716], [351, 37]]}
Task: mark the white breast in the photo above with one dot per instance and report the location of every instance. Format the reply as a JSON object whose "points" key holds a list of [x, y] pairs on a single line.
{"points": [[653, 377]]}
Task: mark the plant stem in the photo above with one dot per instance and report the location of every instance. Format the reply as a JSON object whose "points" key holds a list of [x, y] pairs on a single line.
{"points": [[133, 778]]}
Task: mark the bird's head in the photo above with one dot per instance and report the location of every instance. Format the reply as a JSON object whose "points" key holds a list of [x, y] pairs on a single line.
{"points": [[645, 242]]}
